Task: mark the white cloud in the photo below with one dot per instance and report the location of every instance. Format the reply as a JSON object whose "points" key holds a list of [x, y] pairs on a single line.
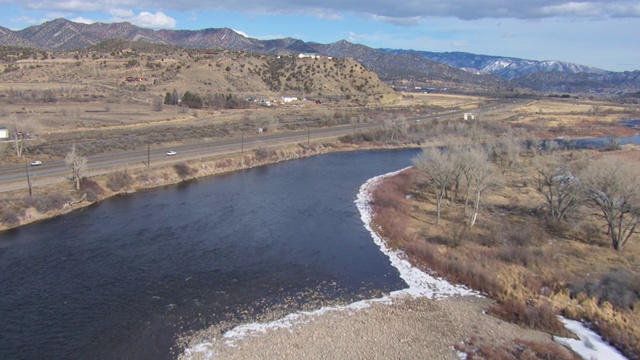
{"points": [[328, 15], [398, 12], [75, 6], [121, 13], [155, 21], [159, 20], [579, 9], [404, 21], [83, 20]]}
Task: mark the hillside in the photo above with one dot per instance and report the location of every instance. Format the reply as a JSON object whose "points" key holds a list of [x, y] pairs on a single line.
{"points": [[397, 69], [154, 70], [65, 35]]}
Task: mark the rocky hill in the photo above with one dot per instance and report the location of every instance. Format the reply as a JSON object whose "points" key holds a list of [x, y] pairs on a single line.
{"points": [[144, 70]]}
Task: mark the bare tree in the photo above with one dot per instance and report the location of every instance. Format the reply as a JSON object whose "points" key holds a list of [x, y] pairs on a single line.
{"points": [[394, 127], [264, 119], [437, 168], [157, 104], [77, 164], [481, 177], [465, 159], [21, 129], [507, 150], [614, 188], [555, 179]]}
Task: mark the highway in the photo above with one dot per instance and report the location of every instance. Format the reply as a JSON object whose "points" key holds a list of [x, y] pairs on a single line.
{"points": [[15, 177]]}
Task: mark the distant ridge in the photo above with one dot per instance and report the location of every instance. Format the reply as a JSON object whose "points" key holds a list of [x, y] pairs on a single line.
{"points": [[506, 67], [405, 69]]}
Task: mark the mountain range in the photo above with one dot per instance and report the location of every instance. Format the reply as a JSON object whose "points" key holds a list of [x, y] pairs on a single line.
{"points": [[407, 69]]}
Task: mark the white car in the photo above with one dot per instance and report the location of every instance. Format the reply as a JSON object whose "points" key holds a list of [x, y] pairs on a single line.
{"points": [[171, 153], [36, 163]]}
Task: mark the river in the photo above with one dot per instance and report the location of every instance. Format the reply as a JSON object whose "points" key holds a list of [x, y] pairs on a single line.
{"points": [[124, 278]]}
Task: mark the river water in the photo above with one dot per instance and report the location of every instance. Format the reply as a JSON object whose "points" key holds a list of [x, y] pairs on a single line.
{"points": [[122, 279]]}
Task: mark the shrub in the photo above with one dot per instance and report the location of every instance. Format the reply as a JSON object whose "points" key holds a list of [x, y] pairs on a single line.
{"points": [[92, 189], [522, 256], [10, 218], [50, 202], [119, 180], [619, 335], [263, 153], [183, 170], [523, 350], [619, 287], [540, 316]]}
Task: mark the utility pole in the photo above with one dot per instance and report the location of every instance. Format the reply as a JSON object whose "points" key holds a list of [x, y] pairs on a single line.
{"points": [[148, 154], [242, 143], [308, 134], [28, 178]]}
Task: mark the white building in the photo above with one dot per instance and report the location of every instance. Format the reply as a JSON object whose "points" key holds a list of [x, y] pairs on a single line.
{"points": [[4, 133]]}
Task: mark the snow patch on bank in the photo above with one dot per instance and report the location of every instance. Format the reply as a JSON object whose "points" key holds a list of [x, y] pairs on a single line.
{"points": [[420, 284], [590, 345]]}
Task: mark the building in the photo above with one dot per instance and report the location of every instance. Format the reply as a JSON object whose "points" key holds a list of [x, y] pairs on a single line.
{"points": [[4, 133], [469, 116]]}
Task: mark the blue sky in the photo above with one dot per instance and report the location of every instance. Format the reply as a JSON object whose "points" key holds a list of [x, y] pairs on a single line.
{"points": [[600, 33]]}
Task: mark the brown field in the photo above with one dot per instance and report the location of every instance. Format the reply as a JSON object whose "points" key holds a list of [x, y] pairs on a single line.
{"points": [[443, 100], [575, 117], [534, 267]]}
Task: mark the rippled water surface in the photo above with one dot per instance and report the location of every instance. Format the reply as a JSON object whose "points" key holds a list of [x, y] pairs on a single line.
{"points": [[123, 278]]}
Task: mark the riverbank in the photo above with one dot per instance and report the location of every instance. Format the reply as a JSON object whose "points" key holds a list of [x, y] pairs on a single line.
{"points": [[431, 318], [409, 328], [49, 201]]}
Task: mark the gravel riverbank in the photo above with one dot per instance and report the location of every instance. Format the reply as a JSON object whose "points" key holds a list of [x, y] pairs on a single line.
{"points": [[408, 328]]}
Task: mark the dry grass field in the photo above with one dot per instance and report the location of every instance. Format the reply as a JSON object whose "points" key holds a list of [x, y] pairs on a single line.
{"points": [[552, 117], [533, 266]]}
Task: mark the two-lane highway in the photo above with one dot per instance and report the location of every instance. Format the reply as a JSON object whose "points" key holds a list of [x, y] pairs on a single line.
{"points": [[14, 177]]}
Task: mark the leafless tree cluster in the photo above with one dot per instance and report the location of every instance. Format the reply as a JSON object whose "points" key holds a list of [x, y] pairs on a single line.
{"points": [[613, 187], [453, 171], [555, 178]]}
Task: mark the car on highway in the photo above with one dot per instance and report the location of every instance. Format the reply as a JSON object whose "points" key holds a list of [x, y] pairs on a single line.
{"points": [[36, 163], [171, 153]]}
